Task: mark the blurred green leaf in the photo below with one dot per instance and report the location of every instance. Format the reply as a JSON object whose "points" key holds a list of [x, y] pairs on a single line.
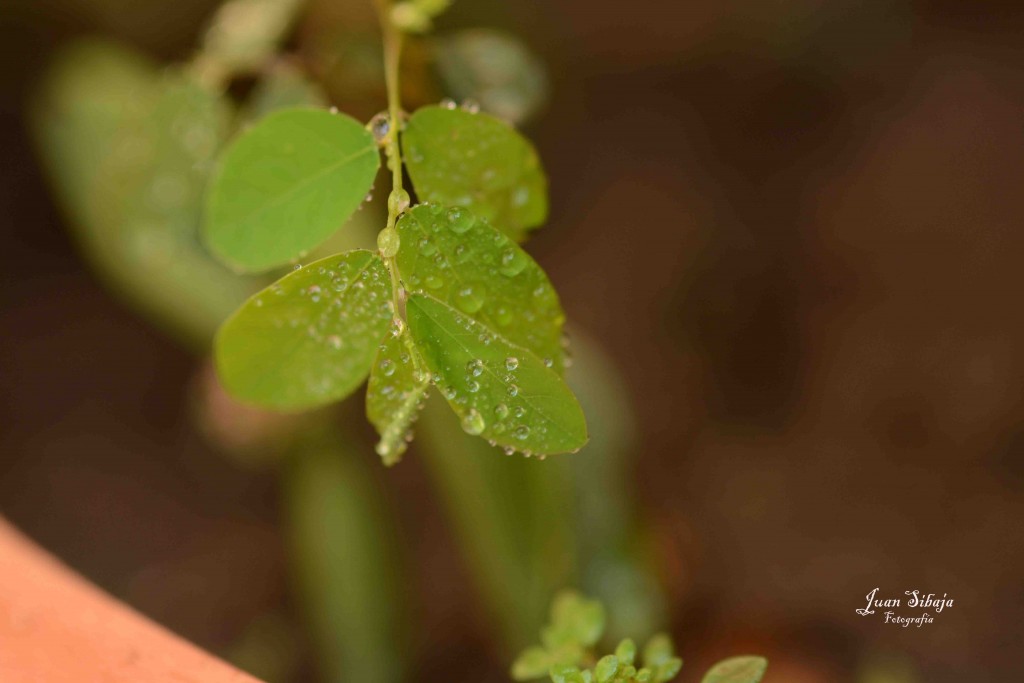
{"points": [[476, 269], [574, 620], [283, 86], [500, 391], [286, 184], [344, 562], [395, 393], [243, 34], [658, 650], [532, 663], [477, 162], [310, 338], [128, 148], [494, 68], [625, 652], [743, 669]]}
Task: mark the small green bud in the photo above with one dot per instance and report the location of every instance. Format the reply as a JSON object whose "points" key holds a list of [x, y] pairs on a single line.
{"points": [[658, 650], [388, 242]]}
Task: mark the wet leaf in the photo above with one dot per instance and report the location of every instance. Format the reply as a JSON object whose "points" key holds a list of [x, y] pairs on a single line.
{"points": [[478, 162], [494, 68], [286, 184], [744, 669], [310, 338], [395, 393], [464, 262], [501, 391]]}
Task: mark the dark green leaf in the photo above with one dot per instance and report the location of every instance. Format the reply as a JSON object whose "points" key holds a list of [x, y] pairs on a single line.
{"points": [[395, 393], [744, 669], [310, 338], [469, 265], [478, 162], [501, 391], [286, 184]]}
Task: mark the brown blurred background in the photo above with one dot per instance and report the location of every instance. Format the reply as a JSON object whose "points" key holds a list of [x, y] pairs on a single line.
{"points": [[794, 226]]}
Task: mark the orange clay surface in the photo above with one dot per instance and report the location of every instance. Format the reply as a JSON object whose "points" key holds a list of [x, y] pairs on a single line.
{"points": [[56, 627]]}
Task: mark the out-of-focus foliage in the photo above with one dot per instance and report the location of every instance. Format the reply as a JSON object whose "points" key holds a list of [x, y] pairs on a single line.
{"points": [[494, 69], [243, 35], [129, 148], [345, 566], [567, 653]]}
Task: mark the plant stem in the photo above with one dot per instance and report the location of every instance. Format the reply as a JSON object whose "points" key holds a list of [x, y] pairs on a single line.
{"points": [[392, 39]]}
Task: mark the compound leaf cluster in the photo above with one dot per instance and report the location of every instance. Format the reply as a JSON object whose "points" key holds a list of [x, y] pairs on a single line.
{"points": [[567, 653], [450, 299]]}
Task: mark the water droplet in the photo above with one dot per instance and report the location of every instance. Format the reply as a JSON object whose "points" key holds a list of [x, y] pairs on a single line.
{"points": [[522, 432], [469, 300], [549, 363], [388, 242], [427, 248], [473, 422], [334, 341], [512, 262], [513, 391], [379, 126], [501, 411], [398, 201], [434, 282], [387, 367], [475, 367], [508, 450], [472, 386], [511, 363], [460, 220], [448, 103], [470, 105]]}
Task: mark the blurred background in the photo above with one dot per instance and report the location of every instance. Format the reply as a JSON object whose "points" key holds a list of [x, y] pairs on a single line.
{"points": [[786, 235]]}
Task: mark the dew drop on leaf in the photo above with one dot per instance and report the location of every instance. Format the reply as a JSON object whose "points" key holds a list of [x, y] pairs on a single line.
{"points": [[473, 422]]}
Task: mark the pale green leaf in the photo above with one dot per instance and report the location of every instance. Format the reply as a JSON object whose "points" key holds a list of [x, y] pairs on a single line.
{"points": [[286, 184], [626, 651], [478, 162], [606, 668], [745, 669], [395, 393], [501, 391], [243, 34], [310, 338], [466, 263]]}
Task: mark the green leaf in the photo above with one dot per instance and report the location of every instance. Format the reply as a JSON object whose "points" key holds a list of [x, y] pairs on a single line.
{"points": [[745, 669], [243, 34], [495, 69], [606, 668], [574, 619], [286, 184], [532, 663], [395, 393], [501, 391], [668, 669], [626, 651], [469, 265], [478, 162], [658, 650], [310, 338]]}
